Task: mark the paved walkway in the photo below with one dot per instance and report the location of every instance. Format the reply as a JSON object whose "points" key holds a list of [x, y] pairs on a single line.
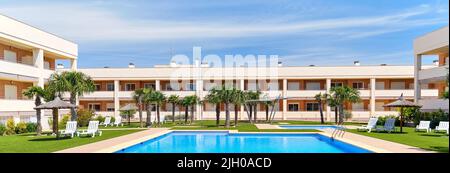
{"points": [[114, 144], [267, 126]]}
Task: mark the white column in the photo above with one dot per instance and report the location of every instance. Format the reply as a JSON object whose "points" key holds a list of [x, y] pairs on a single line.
{"points": [[116, 98], [158, 85], [372, 96], [417, 68], [242, 87], [199, 93], [74, 64], [328, 111], [283, 115], [38, 57]]}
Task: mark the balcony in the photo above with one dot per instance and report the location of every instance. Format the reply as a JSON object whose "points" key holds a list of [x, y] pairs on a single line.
{"points": [[98, 95], [405, 92], [433, 74], [179, 93], [125, 94], [16, 105], [304, 93], [434, 104]]}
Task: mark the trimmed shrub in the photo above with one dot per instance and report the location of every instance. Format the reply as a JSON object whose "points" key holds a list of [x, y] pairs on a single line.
{"points": [[31, 127], [10, 127], [348, 115], [21, 127], [2, 129], [100, 119], [63, 122], [84, 116]]}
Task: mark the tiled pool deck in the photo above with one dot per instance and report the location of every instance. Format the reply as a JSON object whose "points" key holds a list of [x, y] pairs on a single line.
{"points": [[114, 144]]}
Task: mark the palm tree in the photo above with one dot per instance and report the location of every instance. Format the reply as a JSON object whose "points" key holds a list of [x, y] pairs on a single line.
{"points": [[173, 99], [331, 101], [73, 82], [147, 99], [226, 96], [138, 96], [253, 106], [267, 105], [158, 98], [214, 98], [344, 95], [238, 100], [185, 102], [193, 101], [38, 93], [320, 98]]}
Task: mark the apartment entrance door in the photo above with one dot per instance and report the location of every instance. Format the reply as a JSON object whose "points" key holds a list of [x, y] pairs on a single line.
{"points": [[11, 92]]}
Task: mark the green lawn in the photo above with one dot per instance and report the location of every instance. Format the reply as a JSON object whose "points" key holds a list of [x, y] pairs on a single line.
{"points": [[429, 141], [29, 143]]}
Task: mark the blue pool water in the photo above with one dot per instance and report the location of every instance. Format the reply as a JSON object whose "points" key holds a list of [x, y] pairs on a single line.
{"points": [[223, 142], [317, 127]]}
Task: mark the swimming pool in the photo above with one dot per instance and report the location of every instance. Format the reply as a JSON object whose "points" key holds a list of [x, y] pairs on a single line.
{"points": [[224, 142], [316, 127]]}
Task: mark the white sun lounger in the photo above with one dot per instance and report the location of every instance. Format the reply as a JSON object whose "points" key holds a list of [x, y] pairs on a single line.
{"points": [[370, 125], [423, 125], [71, 129], [389, 125], [443, 126], [92, 129], [118, 121], [107, 121]]}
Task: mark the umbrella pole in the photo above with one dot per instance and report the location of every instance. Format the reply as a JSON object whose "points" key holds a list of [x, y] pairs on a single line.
{"points": [[401, 120]]}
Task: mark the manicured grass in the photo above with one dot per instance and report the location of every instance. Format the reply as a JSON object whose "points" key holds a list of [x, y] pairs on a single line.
{"points": [[310, 123], [241, 127], [430, 141], [29, 143]]}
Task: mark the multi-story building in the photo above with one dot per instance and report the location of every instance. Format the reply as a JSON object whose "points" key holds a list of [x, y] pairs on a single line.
{"points": [[378, 85], [434, 43], [27, 58]]}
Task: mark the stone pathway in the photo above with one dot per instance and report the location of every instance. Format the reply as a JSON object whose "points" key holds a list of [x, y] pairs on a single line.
{"points": [[114, 144]]}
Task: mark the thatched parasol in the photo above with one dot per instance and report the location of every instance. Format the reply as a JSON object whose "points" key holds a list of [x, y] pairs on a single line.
{"points": [[55, 105], [401, 103], [128, 109]]}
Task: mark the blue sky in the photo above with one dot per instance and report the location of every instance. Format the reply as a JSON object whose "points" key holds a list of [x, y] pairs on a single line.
{"points": [[302, 32]]}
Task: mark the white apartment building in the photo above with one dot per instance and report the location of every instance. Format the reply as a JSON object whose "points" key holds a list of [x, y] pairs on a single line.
{"points": [[27, 58], [434, 43], [378, 85]]}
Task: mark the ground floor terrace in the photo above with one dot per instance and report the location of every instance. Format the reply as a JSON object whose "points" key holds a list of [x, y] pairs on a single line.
{"points": [[117, 138]]}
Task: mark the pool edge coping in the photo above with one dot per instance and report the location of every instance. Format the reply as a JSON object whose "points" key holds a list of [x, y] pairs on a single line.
{"points": [[124, 145]]}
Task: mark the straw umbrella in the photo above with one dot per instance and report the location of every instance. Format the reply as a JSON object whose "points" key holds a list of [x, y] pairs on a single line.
{"points": [[401, 103], [128, 109], [55, 105]]}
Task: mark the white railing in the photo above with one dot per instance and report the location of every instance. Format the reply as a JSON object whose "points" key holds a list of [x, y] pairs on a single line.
{"points": [[434, 104], [99, 95], [304, 93], [179, 93], [434, 74], [16, 105]]}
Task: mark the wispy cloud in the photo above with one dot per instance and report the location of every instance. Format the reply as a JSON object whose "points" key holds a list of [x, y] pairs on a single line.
{"points": [[91, 23]]}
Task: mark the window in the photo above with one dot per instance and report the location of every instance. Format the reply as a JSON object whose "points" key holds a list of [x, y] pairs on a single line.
{"points": [[110, 107], [130, 87], [172, 86], [252, 86], [379, 85], [11, 92], [10, 56], [94, 106], [397, 85], [312, 106], [337, 84], [149, 85], [358, 106], [97, 87], [293, 86], [313, 86], [293, 107], [46, 65], [189, 87], [273, 86], [379, 106], [411, 85], [358, 85], [27, 60], [110, 86]]}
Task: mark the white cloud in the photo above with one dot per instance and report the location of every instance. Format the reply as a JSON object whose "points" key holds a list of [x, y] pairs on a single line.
{"points": [[90, 23]]}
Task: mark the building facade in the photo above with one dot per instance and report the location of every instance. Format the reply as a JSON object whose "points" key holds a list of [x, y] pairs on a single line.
{"points": [[27, 58], [434, 43], [378, 85]]}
